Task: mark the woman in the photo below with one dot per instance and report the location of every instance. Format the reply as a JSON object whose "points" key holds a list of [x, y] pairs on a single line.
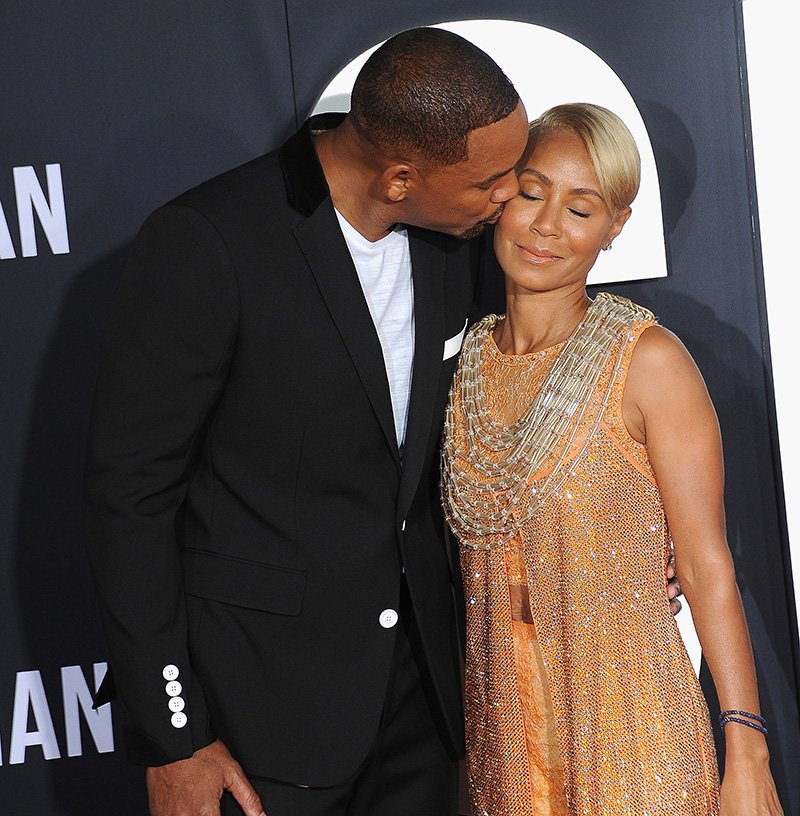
{"points": [[581, 449]]}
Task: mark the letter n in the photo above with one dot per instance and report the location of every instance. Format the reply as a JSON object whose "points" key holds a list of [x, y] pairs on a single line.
{"points": [[52, 214], [78, 700]]}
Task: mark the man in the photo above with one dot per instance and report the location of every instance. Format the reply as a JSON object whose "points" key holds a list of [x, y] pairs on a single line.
{"points": [[262, 492]]}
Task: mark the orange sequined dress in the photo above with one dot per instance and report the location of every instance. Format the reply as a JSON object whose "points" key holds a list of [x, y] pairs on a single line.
{"points": [[581, 698]]}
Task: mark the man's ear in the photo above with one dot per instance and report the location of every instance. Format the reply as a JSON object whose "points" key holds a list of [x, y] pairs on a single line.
{"points": [[397, 180]]}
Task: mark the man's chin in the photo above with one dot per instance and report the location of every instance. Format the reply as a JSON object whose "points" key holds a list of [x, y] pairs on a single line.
{"points": [[477, 229], [473, 232]]}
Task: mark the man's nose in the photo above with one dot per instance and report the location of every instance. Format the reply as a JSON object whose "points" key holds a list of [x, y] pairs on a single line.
{"points": [[507, 187]]}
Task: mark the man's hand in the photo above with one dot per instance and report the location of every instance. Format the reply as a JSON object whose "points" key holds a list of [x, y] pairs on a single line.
{"points": [[194, 786], [673, 587]]}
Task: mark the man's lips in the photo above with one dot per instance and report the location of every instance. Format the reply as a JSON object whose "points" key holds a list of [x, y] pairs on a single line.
{"points": [[537, 255]]}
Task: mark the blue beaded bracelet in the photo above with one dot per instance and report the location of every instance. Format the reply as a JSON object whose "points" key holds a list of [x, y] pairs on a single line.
{"points": [[752, 722], [743, 714]]}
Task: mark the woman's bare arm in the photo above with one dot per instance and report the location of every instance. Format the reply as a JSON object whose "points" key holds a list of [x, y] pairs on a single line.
{"points": [[667, 407]]}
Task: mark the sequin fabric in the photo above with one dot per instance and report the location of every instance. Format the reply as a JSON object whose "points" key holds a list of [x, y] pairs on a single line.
{"points": [[580, 696]]}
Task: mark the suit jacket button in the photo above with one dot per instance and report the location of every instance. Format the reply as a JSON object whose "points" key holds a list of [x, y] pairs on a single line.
{"points": [[176, 704], [170, 672], [388, 618], [173, 688], [178, 719]]}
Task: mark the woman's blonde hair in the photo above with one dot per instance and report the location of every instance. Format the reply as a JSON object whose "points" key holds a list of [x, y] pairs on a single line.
{"points": [[611, 147]]}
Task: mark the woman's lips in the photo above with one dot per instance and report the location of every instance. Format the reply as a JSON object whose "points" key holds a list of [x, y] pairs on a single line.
{"points": [[537, 255]]}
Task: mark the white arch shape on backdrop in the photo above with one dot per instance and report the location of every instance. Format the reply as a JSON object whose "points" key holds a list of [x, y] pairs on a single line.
{"points": [[574, 74]]}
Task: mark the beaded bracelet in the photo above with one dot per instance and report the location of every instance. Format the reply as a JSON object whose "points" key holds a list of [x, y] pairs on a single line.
{"points": [[752, 721]]}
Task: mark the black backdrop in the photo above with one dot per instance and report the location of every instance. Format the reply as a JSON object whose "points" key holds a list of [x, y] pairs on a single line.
{"points": [[134, 103]]}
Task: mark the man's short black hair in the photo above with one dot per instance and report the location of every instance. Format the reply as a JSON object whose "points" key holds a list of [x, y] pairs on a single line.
{"points": [[423, 91]]}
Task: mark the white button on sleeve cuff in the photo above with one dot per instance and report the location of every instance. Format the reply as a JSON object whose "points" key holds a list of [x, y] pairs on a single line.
{"points": [[170, 672], [173, 688]]}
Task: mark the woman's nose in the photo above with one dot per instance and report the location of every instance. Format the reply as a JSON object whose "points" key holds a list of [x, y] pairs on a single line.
{"points": [[545, 220]]}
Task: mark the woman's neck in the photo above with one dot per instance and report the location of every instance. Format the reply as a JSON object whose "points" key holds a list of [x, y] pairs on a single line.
{"points": [[538, 320]]}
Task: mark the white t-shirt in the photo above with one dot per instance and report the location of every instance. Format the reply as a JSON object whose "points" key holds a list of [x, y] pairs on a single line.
{"points": [[384, 269]]}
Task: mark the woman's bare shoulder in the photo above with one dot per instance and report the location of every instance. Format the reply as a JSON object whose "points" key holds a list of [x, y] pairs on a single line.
{"points": [[660, 366]]}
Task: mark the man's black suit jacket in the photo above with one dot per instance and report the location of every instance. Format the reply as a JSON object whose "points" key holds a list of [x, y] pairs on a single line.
{"points": [[248, 512]]}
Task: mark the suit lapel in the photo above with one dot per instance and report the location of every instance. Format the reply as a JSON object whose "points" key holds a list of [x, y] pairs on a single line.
{"points": [[321, 241], [427, 261]]}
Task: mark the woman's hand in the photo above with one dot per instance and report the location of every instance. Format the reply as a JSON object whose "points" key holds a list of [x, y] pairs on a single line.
{"points": [[748, 788]]}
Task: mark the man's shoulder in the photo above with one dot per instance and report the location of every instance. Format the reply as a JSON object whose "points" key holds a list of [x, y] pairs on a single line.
{"points": [[235, 186], [286, 178]]}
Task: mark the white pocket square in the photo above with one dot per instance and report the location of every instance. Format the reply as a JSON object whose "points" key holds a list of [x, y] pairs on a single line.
{"points": [[453, 345]]}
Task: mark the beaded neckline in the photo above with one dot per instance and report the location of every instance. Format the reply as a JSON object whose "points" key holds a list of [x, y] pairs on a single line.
{"points": [[485, 484], [493, 350]]}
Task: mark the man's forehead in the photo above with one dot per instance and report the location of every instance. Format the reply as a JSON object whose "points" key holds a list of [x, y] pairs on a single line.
{"points": [[492, 158], [505, 139]]}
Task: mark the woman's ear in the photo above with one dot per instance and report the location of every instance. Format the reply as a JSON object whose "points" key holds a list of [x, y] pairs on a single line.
{"points": [[616, 225]]}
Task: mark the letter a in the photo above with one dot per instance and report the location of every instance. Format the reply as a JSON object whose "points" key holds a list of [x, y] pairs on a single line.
{"points": [[29, 694], [6, 244]]}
